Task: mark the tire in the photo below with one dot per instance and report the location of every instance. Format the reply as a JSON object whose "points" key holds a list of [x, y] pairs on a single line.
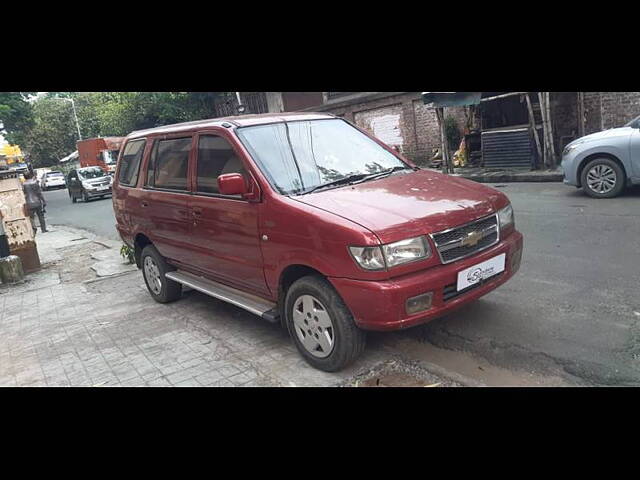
{"points": [[341, 343], [85, 197], [161, 288], [597, 176]]}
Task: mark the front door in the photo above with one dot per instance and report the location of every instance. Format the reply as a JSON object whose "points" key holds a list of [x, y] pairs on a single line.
{"points": [[635, 150], [224, 229]]}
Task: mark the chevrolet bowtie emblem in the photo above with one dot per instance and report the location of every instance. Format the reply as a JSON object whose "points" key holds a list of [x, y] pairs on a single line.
{"points": [[472, 239]]}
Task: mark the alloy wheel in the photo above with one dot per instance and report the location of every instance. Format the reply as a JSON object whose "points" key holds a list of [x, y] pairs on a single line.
{"points": [[152, 274], [313, 326], [601, 179]]}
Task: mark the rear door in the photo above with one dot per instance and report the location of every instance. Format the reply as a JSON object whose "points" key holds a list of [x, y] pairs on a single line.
{"points": [[224, 229], [166, 197], [127, 198]]}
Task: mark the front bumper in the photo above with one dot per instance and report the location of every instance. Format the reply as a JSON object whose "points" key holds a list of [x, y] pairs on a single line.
{"points": [[381, 305], [98, 193]]}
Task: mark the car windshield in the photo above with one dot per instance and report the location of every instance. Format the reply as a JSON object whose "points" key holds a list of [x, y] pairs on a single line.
{"points": [[634, 123], [300, 156], [95, 172]]}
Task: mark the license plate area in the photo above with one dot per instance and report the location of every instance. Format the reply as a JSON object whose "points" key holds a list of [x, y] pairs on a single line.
{"points": [[480, 272]]}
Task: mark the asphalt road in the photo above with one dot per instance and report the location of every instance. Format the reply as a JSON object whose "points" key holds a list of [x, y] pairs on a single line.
{"points": [[572, 310], [95, 216]]}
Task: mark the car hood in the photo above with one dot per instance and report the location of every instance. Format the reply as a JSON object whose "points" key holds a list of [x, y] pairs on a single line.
{"points": [[606, 134], [410, 204]]}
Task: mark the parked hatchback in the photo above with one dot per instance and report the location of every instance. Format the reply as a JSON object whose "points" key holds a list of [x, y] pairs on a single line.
{"points": [[306, 220], [88, 182], [604, 163]]}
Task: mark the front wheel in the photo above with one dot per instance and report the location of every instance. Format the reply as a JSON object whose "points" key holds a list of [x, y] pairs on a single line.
{"points": [[603, 178], [85, 197], [321, 325]]}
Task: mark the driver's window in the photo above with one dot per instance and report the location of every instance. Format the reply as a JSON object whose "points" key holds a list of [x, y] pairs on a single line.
{"points": [[216, 157]]}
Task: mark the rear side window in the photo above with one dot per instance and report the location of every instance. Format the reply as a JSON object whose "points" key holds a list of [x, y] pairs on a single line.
{"points": [[215, 157], [130, 162], [169, 163]]}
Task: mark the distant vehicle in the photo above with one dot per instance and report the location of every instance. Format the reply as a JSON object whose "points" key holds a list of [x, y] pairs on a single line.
{"points": [[88, 183], [101, 152], [53, 179], [604, 163], [40, 173]]}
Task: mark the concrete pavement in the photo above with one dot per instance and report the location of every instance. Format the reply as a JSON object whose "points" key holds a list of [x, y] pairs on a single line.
{"points": [[572, 314]]}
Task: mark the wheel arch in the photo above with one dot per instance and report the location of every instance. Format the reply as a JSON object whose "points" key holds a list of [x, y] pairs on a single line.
{"points": [[140, 241], [593, 156], [287, 277]]}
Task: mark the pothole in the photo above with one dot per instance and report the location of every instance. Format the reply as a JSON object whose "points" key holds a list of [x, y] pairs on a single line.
{"points": [[397, 373]]}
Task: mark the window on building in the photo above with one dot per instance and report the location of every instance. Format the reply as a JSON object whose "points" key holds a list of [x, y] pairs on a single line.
{"points": [[130, 162], [169, 164], [215, 157]]}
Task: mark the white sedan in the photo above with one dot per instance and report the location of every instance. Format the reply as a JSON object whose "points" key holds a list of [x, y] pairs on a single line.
{"points": [[53, 180]]}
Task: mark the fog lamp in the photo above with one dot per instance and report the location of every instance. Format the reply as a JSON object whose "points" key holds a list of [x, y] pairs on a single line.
{"points": [[419, 303]]}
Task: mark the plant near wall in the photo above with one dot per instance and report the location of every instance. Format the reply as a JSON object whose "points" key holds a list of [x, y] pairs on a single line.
{"points": [[452, 133], [127, 253]]}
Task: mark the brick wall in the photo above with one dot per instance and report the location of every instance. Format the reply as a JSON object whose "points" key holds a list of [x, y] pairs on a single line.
{"points": [[399, 119], [610, 109]]}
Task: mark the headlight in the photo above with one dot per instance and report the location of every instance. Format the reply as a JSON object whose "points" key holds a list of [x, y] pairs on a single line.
{"points": [[505, 216], [406, 251], [369, 258], [569, 148], [392, 254]]}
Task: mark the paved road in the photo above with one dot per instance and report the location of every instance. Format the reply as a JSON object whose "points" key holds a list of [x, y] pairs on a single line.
{"points": [[95, 216], [572, 310], [575, 304]]}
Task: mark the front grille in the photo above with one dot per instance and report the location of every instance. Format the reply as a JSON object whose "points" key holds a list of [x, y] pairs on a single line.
{"points": [[451, 243], [450, 291]]}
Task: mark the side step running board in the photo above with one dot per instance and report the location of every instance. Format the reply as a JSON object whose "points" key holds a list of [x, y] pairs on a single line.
{"points": [[252, 303]]}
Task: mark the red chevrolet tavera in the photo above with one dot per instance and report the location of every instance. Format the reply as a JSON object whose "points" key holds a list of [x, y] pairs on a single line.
{"points": [[307, 220]]}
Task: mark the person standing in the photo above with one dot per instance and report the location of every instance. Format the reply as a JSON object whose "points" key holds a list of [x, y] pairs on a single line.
{"points": [[35, 200]]}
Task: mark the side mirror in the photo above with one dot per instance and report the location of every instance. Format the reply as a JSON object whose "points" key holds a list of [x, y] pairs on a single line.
{"points": [[232, 184]]}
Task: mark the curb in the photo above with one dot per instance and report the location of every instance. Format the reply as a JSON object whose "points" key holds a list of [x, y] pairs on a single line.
{"points": [[514, 178]]}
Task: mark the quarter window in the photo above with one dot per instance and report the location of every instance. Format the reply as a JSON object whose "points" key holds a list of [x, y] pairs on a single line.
{"points": [[130, 162], [169, 164], [216, 157]]}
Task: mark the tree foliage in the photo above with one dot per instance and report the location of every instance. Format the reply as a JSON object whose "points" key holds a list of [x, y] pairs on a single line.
{"points": [[15, 115], [45, 128]]}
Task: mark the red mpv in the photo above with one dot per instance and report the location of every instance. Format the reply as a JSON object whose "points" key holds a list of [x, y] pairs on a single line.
{"points": [[306, 220]]}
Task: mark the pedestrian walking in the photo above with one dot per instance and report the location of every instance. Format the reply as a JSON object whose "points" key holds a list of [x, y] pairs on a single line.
{"points": [[35, 201]]}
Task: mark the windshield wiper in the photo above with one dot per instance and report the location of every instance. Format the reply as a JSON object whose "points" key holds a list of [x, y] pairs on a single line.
{"points": [[341, 181], [384, 173]]}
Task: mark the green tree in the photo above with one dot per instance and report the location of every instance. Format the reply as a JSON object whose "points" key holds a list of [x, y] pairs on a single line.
{"points": [[15, 116], [52, 134]]}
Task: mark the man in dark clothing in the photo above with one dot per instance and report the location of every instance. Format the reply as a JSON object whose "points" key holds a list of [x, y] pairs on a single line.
{"points": [[35, 200]]}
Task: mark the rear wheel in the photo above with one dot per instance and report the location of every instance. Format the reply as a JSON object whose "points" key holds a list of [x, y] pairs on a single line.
{"points": [[603, 178], [321, 325], [154, 268]]}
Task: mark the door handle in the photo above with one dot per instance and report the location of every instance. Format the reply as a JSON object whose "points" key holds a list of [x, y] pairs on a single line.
{"points": [[145, 204], [197, 211]]}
